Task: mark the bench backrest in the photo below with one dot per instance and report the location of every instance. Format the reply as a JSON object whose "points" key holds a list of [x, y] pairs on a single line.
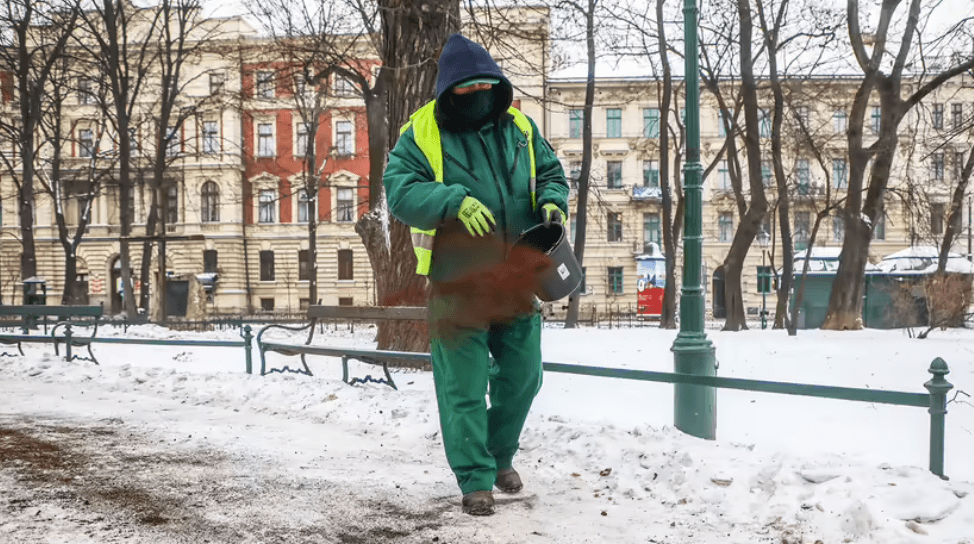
{"points": [[374, 313], [53, 311]]}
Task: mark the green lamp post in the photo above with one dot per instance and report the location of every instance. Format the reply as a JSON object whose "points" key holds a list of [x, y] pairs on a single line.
{"points": [[693, 353]]}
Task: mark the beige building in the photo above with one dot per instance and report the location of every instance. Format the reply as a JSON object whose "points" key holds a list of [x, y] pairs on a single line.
{"points": [[625, 210]]}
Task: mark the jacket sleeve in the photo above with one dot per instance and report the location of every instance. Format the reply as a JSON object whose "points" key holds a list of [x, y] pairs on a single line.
{"points": [[552, 185], [412, 192]]}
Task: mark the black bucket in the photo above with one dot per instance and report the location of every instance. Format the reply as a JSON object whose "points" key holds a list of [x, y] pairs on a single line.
{"points": [[564, 275]]}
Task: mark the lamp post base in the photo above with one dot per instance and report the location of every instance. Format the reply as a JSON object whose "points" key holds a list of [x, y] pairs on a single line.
{"points": [[695, 405]]}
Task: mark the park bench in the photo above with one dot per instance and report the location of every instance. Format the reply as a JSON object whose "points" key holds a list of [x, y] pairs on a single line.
{"points": [[29, 316], [317, 314]]}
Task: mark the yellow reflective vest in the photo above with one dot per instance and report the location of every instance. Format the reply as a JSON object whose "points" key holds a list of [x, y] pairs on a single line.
{"points": [[426, 134]]}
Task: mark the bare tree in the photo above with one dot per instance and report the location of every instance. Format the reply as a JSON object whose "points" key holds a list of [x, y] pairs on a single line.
{"points": [[32, 42], [883, 76], [586, 11], [118, 40]]}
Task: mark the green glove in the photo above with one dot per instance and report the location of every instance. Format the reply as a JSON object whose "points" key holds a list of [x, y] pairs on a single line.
{"points": [[548, 214], [475, 216]]}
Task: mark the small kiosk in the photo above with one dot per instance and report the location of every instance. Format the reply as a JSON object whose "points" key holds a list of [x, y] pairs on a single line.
{"points": [[650, 282]]}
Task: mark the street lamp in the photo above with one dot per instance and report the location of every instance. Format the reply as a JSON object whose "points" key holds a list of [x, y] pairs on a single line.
{"points": [[764, 276], [693, 354]]}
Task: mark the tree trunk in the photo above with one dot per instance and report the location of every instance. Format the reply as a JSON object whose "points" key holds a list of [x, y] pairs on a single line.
{"points": [[375, 113], [758, 207], [668, 316], [146, 264], [955, 218], [845, 303], [413, 33], [581, 205], [800, 288]]}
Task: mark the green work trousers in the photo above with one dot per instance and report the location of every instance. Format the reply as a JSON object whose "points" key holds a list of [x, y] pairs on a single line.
{"points": [[480, 440]]}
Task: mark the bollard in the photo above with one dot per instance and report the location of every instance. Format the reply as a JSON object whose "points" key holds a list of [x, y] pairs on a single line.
{"points": [[67, 342], [248, 346], [938, 386]]}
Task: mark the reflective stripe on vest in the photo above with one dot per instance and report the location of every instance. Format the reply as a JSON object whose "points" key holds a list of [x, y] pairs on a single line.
{"points": [[426, 134]]}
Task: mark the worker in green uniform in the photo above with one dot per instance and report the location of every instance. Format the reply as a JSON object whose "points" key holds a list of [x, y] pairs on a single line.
{"points": [[469, 174]]}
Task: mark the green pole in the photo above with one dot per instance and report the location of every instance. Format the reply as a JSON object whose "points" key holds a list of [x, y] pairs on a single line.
{"points": [[938, 386], [248, 346], [693, 353]]}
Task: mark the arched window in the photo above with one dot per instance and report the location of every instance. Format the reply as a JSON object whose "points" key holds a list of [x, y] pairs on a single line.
{"points": [[304, 206], [211, 202]]}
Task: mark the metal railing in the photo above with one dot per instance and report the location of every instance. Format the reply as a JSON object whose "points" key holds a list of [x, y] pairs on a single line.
{"points": [[935, 399]]}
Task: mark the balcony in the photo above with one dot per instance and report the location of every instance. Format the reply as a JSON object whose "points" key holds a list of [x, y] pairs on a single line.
{"points": [[652, 194]]}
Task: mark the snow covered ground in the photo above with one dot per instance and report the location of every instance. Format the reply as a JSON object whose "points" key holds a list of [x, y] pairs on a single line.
{"points": [[177, 444]]}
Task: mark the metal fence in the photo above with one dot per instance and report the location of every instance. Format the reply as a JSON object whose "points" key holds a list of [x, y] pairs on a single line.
{"points": [[935, 400]]}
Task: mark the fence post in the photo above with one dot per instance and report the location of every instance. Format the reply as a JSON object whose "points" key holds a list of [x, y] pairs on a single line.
{"points": [[248, 346], [938, 386], [67, 342]]}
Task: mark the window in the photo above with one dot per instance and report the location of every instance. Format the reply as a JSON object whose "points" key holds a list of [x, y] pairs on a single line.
{"points": [[346, 268], [344, 87], [304, 265], [304, 206], [838, 228], [574, 172], [651, 228], [879, 231], [267, 304], [576, 118], [802, 114], [346, 204], [803, 174], [173, 145], [210, 205], [301, 139], [210, 142], [265, 84], [613, 174], [937, 218], [958, 164], [86, 142], [766, 178], [651, 174], [344, 139], [303, 304], [172, 204], [803, 229], [937, 166], [217, 79], [651, 122], [956, 115], [266, 202], [840, 174], [615, 280], [614, 221], [266, 265], [345, 301], [209, 261], [937, 116], [723, 177], [721, 126], [725, 227], [877, 119], [839, 122], [265, 140], [86, 91], [613, 123], [133, 143], [764, 123]]}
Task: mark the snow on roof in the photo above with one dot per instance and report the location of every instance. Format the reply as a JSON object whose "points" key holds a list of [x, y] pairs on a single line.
{"points": [[820, 253], [923, 260]]}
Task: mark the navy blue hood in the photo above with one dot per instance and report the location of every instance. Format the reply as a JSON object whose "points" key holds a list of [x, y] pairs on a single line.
{"points": [[463, 59]]}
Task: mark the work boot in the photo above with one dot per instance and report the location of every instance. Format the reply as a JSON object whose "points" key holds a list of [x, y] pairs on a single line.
{"points": [[478, 503], [508, 480]]}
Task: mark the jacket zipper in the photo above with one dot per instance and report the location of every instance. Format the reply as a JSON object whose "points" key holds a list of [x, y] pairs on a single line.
{"points": [[517, 155], [497, 185]]}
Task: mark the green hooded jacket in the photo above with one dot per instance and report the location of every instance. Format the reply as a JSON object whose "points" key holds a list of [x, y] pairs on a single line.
{"points": [[490, 163]]}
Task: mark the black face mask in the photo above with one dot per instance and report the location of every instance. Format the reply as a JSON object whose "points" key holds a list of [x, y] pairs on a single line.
{"points": [[475, 106]]}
